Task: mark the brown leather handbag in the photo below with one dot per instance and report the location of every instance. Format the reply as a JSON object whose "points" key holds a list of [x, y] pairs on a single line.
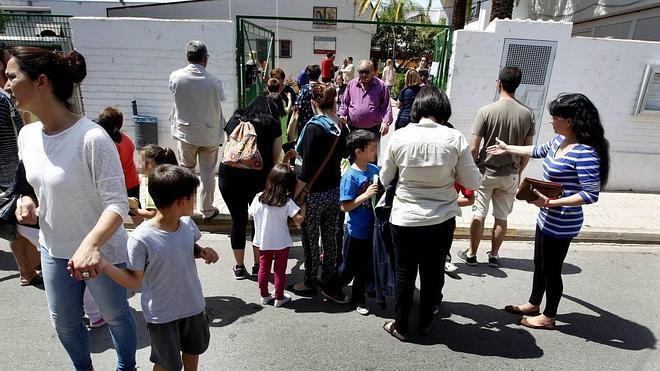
{"points": [[548, 189]]}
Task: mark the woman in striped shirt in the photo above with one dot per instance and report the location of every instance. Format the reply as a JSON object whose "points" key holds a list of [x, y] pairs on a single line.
{"points": [[578, 158]]}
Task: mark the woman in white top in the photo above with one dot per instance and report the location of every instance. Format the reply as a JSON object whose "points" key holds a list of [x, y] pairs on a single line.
{"points": [[74, 168], [429, 159], [389, 75]]}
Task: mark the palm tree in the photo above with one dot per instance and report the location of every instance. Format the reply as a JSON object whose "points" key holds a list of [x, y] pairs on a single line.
{"points": [[397, 8], [458, 16], [501, 9]]}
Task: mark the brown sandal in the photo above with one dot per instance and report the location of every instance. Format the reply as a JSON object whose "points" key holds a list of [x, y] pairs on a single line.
{"points": [[390, 329], [523, 321]]}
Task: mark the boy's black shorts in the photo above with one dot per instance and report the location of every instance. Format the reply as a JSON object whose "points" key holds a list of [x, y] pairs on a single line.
{"points": [[189, 335]]}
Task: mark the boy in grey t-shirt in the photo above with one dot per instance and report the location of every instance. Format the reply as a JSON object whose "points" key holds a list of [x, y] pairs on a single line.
{"points": [[161, 261]]}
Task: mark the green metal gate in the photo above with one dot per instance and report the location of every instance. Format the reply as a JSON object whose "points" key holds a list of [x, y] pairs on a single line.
{"points": [[255, 57], [255, 51], [46, 31], [442, 54]]}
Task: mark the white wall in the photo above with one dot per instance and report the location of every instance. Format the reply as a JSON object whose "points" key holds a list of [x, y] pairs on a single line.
{"points": [[132, 59], [609, 72], [353, 40], [64, 7]]}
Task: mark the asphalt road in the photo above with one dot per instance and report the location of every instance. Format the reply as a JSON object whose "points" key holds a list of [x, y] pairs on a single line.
{"points": [[608, 320]]}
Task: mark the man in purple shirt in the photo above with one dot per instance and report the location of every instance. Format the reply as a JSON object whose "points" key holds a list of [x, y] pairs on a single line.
{"points": [[366, 102]]}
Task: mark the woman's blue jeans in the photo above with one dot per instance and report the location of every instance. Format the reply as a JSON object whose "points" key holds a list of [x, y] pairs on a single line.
{"points": [[65, 304]]}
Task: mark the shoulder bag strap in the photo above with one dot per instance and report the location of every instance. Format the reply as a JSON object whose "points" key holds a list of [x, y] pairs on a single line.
{"points": [[325, 161]]}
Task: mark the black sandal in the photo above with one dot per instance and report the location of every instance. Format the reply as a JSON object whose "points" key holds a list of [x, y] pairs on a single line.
{"points": [[392, 331]]}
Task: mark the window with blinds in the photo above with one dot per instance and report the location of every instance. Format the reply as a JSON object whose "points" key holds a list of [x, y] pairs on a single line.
{"points": [[648, 100]]}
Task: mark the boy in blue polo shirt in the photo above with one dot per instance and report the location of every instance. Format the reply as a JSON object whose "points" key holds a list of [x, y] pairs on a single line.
{"points": [[358, 186]]}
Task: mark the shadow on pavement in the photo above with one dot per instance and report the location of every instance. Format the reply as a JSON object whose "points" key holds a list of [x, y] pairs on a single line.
{"points": [[527, 265], [10, 277], [7, 262], [100, 339], [489, 334], [606, 328], [221, 311], [225, 310], [316, 304], [481, 270]]}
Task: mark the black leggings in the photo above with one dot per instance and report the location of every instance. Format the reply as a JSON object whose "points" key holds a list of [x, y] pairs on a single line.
{"points": [[429, 256], [238, 192], [549, 255]]}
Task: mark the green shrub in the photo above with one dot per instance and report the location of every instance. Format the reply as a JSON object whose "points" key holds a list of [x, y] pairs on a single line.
{"points": [[399, 84]]}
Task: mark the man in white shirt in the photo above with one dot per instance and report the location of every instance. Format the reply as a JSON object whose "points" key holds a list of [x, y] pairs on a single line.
{"points": [[349, 70], [197, 121]]}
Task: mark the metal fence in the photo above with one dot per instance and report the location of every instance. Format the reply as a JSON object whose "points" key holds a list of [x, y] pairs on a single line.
{"points": [[46, 31]]}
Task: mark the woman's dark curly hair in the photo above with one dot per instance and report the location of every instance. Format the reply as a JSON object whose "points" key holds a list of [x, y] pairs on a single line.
{"points": [[586, 125]]}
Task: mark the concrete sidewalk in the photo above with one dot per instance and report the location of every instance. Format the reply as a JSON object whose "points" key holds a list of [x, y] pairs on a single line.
{"points": [[618, 217]]}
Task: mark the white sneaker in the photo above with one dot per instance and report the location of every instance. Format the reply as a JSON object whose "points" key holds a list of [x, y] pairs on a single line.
{"points": [[450, 267], [267, 299], [363, 309], [285, 299]]}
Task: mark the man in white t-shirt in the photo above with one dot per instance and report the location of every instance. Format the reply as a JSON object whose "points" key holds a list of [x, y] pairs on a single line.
{"points": [[197, 120]]}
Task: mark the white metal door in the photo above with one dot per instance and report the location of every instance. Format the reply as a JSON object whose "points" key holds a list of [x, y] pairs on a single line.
{"points": [[535, 59]]}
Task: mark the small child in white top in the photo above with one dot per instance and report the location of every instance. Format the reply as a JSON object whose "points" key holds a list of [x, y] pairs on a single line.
{"points": [[271, 210]]}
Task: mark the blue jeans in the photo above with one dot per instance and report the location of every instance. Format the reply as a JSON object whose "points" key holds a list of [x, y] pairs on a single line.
{"points": [[65, 304]]}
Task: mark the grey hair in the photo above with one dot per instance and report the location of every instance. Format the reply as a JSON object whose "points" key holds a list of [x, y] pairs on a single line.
{"points": [[196, 51], [366, 63]]}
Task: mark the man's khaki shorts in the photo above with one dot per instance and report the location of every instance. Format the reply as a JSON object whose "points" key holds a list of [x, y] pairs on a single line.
{"points": [[501, 189]]}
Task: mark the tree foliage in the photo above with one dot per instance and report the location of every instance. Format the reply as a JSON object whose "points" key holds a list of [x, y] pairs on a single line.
{"points": [[402, 41], [501, 9]]}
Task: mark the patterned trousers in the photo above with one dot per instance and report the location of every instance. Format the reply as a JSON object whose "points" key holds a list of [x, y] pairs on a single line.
{"points": [[322, 217]]}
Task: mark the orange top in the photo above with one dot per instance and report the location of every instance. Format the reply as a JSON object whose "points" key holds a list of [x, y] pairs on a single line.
{"points": [[126, 150]]}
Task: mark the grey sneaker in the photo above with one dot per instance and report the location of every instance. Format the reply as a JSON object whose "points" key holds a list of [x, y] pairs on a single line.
{"points": [[493, 261], [469, 260]]}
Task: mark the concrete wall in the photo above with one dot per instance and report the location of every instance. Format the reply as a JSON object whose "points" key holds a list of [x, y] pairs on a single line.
{"points": [[63, 7], [132, 59], [353, 40], [609, 72]]}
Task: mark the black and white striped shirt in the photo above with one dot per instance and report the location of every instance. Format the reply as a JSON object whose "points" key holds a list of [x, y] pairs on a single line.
{"points": [[8, 145]]}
